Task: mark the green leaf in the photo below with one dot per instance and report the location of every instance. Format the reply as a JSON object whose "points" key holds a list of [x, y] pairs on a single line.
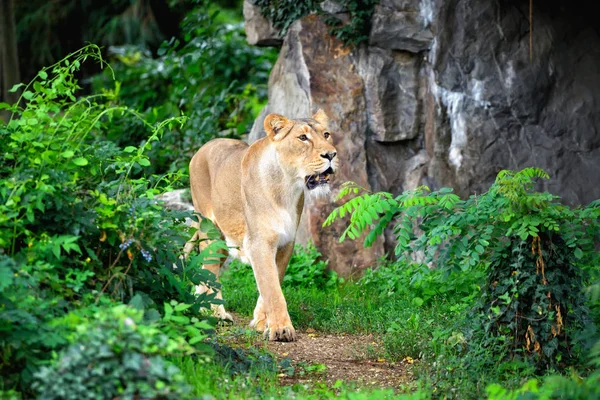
{"points": [[182, 306], [168, 312], [578, 253], [56, 250], [130, 149], [67, 154], [28, 95], [417, 301], [6, 277], [43, 74], [16, 87], [180, 319], [144, 162], [196, 339], [80, 161]]}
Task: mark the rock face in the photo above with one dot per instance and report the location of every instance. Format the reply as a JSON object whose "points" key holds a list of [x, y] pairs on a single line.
{"points": [[447, 93], [259, 31]]}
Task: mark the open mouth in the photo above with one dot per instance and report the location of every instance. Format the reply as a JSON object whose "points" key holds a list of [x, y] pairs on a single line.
{"points": [[313, 181]]}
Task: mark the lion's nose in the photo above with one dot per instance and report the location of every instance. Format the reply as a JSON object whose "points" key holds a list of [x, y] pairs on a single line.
{"points": [[329, 155]]}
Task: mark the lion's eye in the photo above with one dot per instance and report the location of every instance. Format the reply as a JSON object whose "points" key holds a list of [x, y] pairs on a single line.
{"points": [[304, 138], [326, 135]]}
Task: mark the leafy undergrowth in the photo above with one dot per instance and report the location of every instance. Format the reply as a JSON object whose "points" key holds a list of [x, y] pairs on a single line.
{"points": [[414, 313], [410, 321]]}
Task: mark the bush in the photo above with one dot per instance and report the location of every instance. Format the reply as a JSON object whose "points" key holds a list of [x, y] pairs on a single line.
{"points": [[114, 354], [76, 225], [572, 387], [421, 282], [538, 256]]}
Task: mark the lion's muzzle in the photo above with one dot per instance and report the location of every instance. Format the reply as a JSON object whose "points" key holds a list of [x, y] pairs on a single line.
{"points": [[316, 180]]}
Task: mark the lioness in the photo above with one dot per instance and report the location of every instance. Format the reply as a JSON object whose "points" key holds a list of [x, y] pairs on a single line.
{"points": [[255, 195]]}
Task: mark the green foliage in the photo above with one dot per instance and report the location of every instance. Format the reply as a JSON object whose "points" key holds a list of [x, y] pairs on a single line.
{"points": [[283, 13], [357, 30], [115, 354], [212, 76], [79, 220], [422, 283], [538, 253], [106, 23], [572, 387], [308, 269]]}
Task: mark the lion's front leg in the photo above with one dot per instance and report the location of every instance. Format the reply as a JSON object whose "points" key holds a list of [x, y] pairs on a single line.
{"points": [[278, 324]]}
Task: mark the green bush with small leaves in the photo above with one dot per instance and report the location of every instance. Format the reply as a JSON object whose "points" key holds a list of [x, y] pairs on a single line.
{"points": [[80, 220], [114, 354]]}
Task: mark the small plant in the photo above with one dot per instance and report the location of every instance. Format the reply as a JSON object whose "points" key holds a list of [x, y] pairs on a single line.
{"points": [[307, 269]]}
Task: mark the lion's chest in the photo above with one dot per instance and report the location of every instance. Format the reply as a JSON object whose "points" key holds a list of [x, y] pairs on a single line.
{"points": [[284, 224]]}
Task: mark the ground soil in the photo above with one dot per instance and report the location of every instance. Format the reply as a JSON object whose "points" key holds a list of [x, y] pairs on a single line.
{"points": [[320, 357]]}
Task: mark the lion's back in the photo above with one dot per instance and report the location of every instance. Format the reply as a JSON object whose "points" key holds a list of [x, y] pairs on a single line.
{"points": [[215, 180]]}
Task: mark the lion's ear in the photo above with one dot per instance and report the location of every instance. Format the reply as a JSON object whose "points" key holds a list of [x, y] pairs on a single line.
{"points": [[321, 117], [275, 125]]}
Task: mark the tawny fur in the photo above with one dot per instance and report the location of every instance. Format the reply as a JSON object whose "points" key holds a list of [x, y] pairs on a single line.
{"points": [[255, 195]]}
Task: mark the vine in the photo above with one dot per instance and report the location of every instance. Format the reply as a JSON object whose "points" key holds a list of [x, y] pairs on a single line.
{"points": [[283, 13]]}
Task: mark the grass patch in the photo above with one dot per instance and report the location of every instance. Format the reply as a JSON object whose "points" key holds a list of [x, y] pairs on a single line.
{"points": [[407, 327]]}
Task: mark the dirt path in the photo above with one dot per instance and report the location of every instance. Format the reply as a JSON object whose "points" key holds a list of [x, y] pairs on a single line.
{"points": [[319, 357]]}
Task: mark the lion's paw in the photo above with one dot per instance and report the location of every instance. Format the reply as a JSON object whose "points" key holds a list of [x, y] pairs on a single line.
{"points": [[285, 333], [219, 312], [259, 324]]}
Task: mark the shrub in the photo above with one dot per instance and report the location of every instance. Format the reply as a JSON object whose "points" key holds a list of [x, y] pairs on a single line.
{"points": [[114, 354], [537, 252], [570, 387], [79, 220], [421, 282]]}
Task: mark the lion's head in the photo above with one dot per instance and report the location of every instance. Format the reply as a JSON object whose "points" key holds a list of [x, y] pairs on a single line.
{"points": [[305, 148]]}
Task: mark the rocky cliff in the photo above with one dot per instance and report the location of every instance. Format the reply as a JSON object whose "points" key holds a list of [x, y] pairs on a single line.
{"points": [[445, 93]]}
